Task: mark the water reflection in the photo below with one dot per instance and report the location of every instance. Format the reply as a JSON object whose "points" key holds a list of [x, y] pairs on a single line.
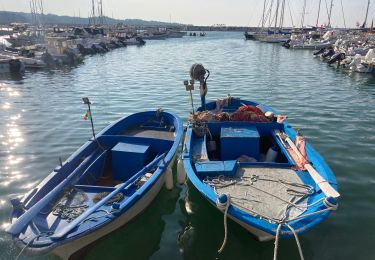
{"points": [[11, 138], [12, 76], [41, 120]]}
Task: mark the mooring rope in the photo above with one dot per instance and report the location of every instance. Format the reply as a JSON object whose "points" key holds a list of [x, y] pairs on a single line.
{"points": [[277, 236], [32, 241], [224, 206], [297, 240], [276, 242], [222, 182]]}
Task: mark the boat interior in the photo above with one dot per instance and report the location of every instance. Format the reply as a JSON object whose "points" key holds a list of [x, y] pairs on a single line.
{"points": [[248, 161], [126, 153], [110, 161], [244, 142]]}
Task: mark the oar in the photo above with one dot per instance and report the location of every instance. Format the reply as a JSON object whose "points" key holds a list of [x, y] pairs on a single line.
{"points": [[65, 230], [323, 184], [26, 217]]}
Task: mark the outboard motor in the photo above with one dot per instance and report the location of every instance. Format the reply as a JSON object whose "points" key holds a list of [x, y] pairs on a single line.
{"points": [[328, 53], [287, 44], [140, 40], [336, 57], [115, 44], [98, 48], [93, 48], [48, 59], [319, 51], [15, 66], [102, 44], [123, 43], [70, 57], [82, 49]]}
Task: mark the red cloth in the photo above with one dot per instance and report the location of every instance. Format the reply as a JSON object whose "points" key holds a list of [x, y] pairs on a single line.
{"points": [[300, 162]]}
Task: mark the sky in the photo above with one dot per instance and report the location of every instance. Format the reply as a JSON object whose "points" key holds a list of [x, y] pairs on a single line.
{"points": [[207, 12]]}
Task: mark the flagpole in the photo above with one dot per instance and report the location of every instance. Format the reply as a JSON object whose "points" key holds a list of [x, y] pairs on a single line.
{"points": [[88, 103], [92, 123]]}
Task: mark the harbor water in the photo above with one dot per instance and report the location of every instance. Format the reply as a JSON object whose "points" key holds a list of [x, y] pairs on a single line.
{"points": [[41, 120]]}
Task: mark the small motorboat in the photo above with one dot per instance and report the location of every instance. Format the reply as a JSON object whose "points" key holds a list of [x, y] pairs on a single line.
{"points": [[29, 63], [253, 166], [107, 182], [11, 65]]}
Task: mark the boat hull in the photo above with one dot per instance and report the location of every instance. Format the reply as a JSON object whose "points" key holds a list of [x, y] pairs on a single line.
{"points": [[64, 251], [218, 174], [258, 233], [139, 137], [311, 46]]}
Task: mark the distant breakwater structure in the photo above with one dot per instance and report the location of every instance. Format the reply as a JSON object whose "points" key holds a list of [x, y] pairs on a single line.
{"points": [[8, 17]]}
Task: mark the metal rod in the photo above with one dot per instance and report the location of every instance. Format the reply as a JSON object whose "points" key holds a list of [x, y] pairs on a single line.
{"points": [[317, 18], [92, 123], [191, 100]]}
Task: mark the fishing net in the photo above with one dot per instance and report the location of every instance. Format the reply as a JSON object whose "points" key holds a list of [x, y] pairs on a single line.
{"points": [[245, 113], [71, 205], [116, 198]]}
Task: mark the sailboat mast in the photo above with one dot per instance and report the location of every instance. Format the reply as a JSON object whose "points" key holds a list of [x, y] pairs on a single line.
{"points": [[343, 15], [303, 13], [93, 12], [368, 5], [330, 13], [277, 12], [101, 11], [41, 12], [281, 23], [264, 10], [269, 13], [317, 18]]}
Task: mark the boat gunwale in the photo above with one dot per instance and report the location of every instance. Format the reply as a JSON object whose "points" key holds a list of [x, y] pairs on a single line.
{"points": [[133, 199], [249, 219]]}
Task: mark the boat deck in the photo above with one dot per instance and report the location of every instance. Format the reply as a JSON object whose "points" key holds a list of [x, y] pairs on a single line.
{"points": [[264, 192], [139, 132]]}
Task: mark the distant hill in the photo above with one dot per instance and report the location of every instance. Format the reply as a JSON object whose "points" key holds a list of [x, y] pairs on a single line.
{"points": [[7, 17]]}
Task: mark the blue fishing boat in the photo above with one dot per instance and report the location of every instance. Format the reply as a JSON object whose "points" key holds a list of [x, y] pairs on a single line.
{"points": [[107, 182], [250, 163]]}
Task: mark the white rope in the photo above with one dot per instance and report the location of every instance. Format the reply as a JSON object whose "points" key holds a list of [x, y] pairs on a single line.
{"points": [[47, 234], [224, 206], [297, 241], [24, 248], [310, 214], [221, 181], [276, 242]]}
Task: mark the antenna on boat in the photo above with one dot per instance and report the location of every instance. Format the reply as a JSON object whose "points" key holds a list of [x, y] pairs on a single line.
{"points": [[88, 114]]}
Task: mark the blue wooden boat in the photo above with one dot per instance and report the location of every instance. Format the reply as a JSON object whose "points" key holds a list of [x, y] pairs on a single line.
{"points": [[244, 160], [102, 186]]}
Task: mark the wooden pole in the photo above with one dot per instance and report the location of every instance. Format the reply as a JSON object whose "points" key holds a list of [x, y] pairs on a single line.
{"points": [[323, 184]]}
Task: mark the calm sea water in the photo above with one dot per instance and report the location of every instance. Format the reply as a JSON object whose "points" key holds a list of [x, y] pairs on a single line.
{"points": [[41, 119]]}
